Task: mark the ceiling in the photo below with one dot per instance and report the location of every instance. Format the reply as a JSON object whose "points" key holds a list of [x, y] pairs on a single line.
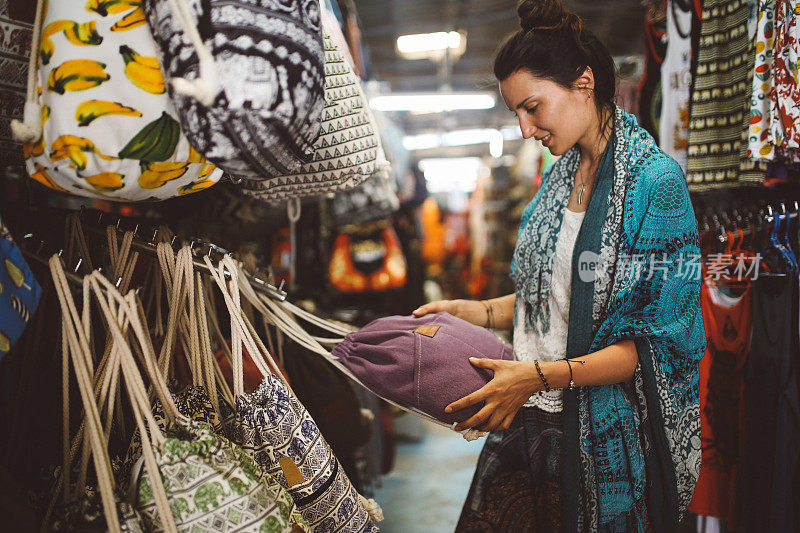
{"points": [[618, 23]]}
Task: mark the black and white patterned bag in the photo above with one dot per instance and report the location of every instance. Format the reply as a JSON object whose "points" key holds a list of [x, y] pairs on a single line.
{"points": [[247, 79], [348, 150]]}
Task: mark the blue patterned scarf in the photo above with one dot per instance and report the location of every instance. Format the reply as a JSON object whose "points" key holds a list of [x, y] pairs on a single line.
{"points": [[632, 450]]}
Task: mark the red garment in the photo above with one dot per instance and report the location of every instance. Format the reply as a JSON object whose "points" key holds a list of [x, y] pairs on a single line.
{"points": [[727, 316]]}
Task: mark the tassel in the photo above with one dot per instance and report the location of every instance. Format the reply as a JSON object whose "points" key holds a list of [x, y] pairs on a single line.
{"points": [[373, 509], [204, 89], [30, 129]]}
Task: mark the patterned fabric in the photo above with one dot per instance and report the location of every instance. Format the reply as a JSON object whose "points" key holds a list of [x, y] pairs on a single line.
{"points": [[375, 199], [19, 291], [86, 515], [719, 96], [272, 426], [109, 126], [15, 46], [549, 345], [517, 483], [192, 402], [628, 446], [676, 81], [269, 60], [348, 150], [761, 143], [211, 485], [785, 95]]}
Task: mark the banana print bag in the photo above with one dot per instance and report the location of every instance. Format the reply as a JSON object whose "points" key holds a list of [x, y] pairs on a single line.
{"points": [[103, 125]]}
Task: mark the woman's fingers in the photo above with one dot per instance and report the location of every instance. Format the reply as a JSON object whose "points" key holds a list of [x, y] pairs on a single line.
{"points": [[483, 362], [475, 420], [432, 307], [466, 401], [494, 423]]}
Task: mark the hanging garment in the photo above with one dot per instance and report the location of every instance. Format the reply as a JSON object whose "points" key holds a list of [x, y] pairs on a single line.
{"points": [[676, 82], [19, 291], [770, 468], [262, 115], [761, 142], [348, 150], [719, 96], [727, 319], [15, 49], [784, 113], [370, 263], [422, 363], [650, 85], [108, 128]]}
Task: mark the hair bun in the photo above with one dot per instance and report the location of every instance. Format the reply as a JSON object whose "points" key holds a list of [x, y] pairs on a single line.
{"points": [[543, 14]]}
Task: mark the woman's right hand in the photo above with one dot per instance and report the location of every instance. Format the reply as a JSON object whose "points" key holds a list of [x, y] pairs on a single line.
{"points": [[472, 311]]}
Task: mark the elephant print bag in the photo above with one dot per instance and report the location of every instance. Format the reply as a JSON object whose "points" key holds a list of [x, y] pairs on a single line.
{"points": [[108, 128]]}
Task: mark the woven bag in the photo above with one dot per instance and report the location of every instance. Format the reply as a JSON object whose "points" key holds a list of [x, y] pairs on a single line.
{"points": [[259, 65], [98, 121]]}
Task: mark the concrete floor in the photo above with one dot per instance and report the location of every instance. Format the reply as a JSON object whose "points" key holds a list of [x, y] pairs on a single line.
{"points": [[425, 491]]}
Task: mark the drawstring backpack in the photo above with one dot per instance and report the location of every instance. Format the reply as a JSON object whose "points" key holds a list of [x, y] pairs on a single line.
{"points": [[247, 79], [348, 149], [276, 430], [97, 120]]}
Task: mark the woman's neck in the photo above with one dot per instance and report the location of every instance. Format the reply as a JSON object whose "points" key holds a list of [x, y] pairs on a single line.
{"points": [[594, 143]]}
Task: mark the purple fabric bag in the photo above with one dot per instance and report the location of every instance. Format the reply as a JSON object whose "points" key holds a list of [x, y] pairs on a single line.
{"points": [[422, 363]]}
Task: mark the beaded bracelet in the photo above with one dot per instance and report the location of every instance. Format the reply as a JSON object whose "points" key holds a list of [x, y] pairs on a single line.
{"points": [[541, 376]]}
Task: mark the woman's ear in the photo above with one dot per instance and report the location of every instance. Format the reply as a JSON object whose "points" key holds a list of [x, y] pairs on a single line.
{"points": [[586, 79]]}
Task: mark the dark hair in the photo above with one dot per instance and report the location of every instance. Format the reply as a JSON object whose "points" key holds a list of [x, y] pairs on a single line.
{"points": [[553, 44]]}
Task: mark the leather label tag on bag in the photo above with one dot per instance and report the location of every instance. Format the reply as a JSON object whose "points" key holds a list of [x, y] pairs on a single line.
{"points": [[290, 470], [428, 331]]}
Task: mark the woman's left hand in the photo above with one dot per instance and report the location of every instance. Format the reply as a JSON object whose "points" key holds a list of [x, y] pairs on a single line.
{"points": [[513, 383]]}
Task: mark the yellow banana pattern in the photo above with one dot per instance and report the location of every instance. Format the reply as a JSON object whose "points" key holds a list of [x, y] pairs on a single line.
{"points": [[15, 273], [195, 186], [75, 149], [155, 175], [5, 343], [106, 181], [90, 110], [143, 71], [83, 34], [69, 156], [134, 19], [77, 75], [111, 7], [44, 178]]}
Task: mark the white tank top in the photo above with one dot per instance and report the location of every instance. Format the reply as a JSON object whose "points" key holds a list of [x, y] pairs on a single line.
{"points": [[552, 345]]}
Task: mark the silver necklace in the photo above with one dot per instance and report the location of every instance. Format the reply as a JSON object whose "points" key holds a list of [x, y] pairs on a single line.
{"points": [[580, 192]]}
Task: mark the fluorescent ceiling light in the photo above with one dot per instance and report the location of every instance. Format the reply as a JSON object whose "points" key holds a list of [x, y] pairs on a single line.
{"points": [[421, 43], [432, 102], [446, 174], [426, 141]]}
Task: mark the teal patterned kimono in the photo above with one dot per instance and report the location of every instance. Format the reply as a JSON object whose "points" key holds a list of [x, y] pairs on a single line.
{"points": [[632, 450]]}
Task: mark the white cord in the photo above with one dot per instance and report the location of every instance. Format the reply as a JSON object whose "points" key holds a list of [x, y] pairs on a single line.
{"points": [[30, 129], [205, 88]]}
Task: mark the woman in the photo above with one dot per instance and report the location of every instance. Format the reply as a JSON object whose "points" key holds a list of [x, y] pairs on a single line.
{"points": [[595, 425]]}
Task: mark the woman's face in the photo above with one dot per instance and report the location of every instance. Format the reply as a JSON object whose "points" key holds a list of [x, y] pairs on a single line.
{"points": [[549, 112]]}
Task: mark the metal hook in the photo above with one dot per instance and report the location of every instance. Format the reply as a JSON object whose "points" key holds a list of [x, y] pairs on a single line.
{"points": [[118, 282], [136, 230], [155, 234], [100, 218], [80, 262]]}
